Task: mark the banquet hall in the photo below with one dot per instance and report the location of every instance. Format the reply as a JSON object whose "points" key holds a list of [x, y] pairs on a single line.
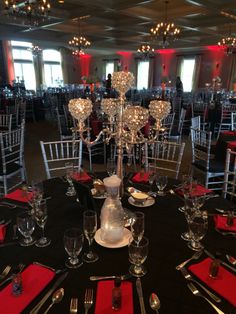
{"points": [[118, 156]]}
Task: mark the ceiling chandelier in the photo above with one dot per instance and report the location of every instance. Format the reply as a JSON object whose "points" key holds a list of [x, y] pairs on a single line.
{"points": [[228, 43], [35, 49], [35, 10], [78, 44], [165, 31], [145, 52]]}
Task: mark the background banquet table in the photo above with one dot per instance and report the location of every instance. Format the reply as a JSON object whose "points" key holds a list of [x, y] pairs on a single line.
{"points": [[163, 227]]}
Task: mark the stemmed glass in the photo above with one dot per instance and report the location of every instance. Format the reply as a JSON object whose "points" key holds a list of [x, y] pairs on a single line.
{"points": [[198, 224], [189, 210], [90, 228], [138, 253], [111, 167], [151, 180], [41, 216], [137, 227], [161, 182], [25, 224], [69, 166], [73, 243], [186, 187]]}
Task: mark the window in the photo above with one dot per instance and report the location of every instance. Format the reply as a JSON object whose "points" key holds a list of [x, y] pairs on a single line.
{"points": [[23, 63], [143, 72], [52, 67], [186, 74], [109, 68]]}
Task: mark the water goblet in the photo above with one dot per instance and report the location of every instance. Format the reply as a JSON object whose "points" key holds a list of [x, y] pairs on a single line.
{"points": [[151, 179], [198, 224], [161, 182], [137, 227], [69, 167], [90, 228], [138, 253], [111, 167], [25, 224], [189, 209], [41, 215], [73, 243]]}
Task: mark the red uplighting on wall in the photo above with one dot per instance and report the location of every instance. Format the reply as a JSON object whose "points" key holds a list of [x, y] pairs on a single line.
{"points": [[216, 55], [213, 48], [165, 51], [166, 56], [84, 61], [126, 58]]}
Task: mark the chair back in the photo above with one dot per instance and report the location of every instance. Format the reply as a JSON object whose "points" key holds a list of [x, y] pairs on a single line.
{"points": [[5, 122], [164, 156], [201, 146], [57, 153], [229, 187], [196, 123], [233, 121], [181, 120], [167, 123], [226, 117]]}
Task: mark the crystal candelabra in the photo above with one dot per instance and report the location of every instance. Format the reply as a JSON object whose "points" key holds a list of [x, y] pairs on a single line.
{"points": [[125, 120]]}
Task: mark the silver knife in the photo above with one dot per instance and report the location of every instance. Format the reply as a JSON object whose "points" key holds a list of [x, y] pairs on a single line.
{"points": [[221, 262], [140, 295], [47, 295]]}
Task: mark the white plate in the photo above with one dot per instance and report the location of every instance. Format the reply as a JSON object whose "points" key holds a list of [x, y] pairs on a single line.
{"points": [[149, 202], [122, 243], [100, 197]]}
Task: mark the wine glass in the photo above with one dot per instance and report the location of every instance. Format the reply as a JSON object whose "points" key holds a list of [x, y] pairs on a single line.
{"points": [[111, 167], [137, 255], [25, 224], [73, 243], [41, 216], [186, 187], [189, 209], [161, 182], [198, 224], [151, 179], [90, 228], [69, 167], [137, 227]]}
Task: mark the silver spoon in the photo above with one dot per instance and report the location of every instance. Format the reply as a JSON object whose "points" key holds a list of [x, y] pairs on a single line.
{"points": [[56, 298], [154, 302]]}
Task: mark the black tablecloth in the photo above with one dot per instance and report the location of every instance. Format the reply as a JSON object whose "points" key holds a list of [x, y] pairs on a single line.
{"points": [[163, 226]]}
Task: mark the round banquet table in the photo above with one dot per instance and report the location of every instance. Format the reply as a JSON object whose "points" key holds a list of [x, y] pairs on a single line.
{"points": [[163, 227]]}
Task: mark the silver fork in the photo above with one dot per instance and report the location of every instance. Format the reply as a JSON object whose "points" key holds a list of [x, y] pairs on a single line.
{"points": [[195, 256], [189, 277], [9, 278], [88, 300], [5, 272], [73, 305], [197, 293]]}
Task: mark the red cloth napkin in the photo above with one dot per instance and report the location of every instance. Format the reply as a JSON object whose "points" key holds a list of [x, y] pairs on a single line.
{"points": [[141, 177], [82, 176], [34, 280], [224, 284], [3, 230], [221, 223], [229, 132], [104, 298], [20, 196], [199, 190]]}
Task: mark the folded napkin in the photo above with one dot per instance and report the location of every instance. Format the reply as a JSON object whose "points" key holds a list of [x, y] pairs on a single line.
{"points": [[81, 176], [229, 133], [20, 196], [198, 190], [34, 279], [104, 298], [224, 284], [221, 223], [3, 229], [141, 177]]}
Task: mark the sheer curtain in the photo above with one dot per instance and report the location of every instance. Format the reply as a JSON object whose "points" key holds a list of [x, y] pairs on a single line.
{"points": [[196, 72], [151, 72]]}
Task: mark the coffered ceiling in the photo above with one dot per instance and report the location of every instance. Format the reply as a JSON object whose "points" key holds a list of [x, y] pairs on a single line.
{"points": [[113, 25]]}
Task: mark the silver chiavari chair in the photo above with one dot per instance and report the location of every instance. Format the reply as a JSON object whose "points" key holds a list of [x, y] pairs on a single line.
{"points": [[5, 122], [233, 121], [12, 170], [229, 188], [57, 153]]}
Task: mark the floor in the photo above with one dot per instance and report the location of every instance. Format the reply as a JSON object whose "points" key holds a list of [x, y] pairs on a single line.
{"points": [[47, 131]]}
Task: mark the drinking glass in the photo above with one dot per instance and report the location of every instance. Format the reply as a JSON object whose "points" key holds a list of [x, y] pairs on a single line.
{"points": [[151, 179], [111, 167], [189, 210], [137, 255], [186, 187], [137, 226], [69, 167], [198, 224], [73, 243], [90, 228], [41, 216], [25, 224], [161, 182]]}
